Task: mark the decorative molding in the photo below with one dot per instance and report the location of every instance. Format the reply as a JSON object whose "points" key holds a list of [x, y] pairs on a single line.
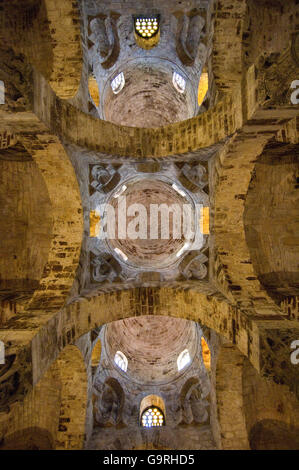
{"points": [[104, 35]]}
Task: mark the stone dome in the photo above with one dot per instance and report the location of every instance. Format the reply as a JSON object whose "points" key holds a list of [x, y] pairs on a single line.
{"points": [[149, 252], [152, 345]]}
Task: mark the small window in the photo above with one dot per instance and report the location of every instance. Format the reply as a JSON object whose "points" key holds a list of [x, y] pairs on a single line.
{"points": [[183, 359], [206, 354], [121, 361], [146, 27], [96, 354], [179, 82], [94, 90], [152, 417], [203, 87], [118, 83]]}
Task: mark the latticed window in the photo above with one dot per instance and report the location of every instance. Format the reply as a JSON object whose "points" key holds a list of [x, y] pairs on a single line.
{"points": [[178, 82], [118, 83], [121, 361], [146, 27], [152, 417], [183, 359]]}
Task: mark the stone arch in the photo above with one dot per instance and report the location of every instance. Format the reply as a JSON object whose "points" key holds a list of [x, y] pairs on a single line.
{"points": [[31, 414], [248, 404], [39, 31], [230, 432], [270, 409], [186, 410], [187, 387], [71, 372], [66, 75], [193, 25], [109, 307], [115, 385], [194, 406], [228, 69], [55, 408], [109, 403], [79, 318], [26, 224], [238, 157], [264, 25], [59, 271], [85, 131], [270, 222], [47, 152], [152, 400]]}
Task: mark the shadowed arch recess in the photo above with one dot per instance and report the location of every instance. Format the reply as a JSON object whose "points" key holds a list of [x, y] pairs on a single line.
{"points": [[271, 223], [25, 224], [270, 434], [49, 42], [57, 170], [53, 414]]}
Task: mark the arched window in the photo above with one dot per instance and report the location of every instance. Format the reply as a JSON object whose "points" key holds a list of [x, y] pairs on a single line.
{"points": [[152, 417], [183, 359], [146, 27], [118, 83], [121, 361], [147, 31], [179, 82], [152, 411]]}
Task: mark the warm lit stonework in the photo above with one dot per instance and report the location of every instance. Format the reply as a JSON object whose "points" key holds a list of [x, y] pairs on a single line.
{"points": [[149, 243], [203, 87], [93, 89]]}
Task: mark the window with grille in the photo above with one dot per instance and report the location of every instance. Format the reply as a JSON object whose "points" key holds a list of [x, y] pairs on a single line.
{"points": [[121, 361]]}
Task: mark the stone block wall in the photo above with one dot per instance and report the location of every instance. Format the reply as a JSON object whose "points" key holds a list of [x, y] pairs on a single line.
{"points": [[56, 408], [25, 225]]}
